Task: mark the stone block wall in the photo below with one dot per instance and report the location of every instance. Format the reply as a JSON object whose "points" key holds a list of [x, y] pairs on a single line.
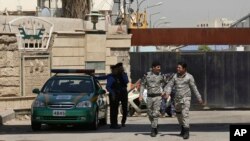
{"points": [[9, 66], [21, 71]]}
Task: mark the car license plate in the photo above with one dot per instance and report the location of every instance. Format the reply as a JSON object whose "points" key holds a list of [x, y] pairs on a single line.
{"points": [[59, 113]]}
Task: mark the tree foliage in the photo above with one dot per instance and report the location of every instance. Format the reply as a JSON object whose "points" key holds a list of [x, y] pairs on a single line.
{"points": [[204, 48], [75, 8]]}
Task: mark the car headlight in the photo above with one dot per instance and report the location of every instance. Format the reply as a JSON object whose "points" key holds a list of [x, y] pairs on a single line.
{"points": [[38, 104], [84, 104]]}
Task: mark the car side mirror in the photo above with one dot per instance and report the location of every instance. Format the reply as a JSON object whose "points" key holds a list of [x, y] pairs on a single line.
{"points": [[101, 91], [36, 91]]}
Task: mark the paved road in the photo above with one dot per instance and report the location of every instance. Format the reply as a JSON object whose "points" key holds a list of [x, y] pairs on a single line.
{"points": [[206, 126]]}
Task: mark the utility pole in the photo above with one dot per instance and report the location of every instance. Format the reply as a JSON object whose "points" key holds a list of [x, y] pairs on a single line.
{"points": [[124, 8], [137, 19]]}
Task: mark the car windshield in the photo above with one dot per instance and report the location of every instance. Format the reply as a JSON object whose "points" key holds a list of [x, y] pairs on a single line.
{"points": [[69, 85]]}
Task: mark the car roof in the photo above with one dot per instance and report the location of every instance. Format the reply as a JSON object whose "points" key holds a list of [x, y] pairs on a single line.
{"points": [[87, 73], [71, 75]]}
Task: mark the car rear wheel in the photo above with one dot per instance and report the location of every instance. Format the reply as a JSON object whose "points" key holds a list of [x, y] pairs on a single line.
{"points": [[131, 111], [104, 120], [95, 122], [36, 126]]}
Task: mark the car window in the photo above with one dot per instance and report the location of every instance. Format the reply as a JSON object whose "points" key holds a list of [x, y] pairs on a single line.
{"points": [[97, 85], [69, 85]]}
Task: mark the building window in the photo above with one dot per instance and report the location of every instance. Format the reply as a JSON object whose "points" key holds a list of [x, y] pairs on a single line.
{"points": [[97, 65]]}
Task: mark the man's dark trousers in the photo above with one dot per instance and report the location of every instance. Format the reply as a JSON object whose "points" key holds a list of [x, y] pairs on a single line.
{"points": [[114, 103], [124, 102]]}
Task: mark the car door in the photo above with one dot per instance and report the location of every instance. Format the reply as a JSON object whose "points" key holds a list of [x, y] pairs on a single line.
{"points": [[101, 100]]}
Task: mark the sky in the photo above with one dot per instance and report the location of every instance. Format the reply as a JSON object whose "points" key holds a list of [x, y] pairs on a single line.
{"points": [[188, 13]]}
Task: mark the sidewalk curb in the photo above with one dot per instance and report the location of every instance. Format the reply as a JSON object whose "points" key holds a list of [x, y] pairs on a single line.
{"points": [[6, 116]]}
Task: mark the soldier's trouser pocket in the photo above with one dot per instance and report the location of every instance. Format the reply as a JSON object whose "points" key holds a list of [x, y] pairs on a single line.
{"points": [[153, 105], [182, 104], [182, 111]]}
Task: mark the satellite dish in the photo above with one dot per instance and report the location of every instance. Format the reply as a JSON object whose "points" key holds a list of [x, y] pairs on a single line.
{"points": [[45, 12]]}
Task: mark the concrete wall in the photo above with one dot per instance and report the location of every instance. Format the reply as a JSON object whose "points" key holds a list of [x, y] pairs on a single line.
{"points": [[60, 24], [96, 48], [118, 46], [68, 50], [35, 71], [74, 49], [16, 102]]}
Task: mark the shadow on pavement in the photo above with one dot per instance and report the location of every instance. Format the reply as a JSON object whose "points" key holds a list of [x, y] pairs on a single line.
{"points": [[137, 129]]}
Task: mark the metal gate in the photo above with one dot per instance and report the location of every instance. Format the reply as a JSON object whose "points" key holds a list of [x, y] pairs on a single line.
{"points": [[222, 78]]}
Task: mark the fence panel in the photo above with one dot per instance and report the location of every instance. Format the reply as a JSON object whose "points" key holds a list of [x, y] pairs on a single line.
{"points": [[222, 78]]}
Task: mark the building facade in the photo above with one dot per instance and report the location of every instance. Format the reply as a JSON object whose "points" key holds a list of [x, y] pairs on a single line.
{"points": [[18, 7], [244, 22], [217, 23], [73, 45]]}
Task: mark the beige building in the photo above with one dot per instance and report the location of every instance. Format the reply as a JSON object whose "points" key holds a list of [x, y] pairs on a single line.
{"points": [[73, 45], [17, 7], [47, 8], [31, 46], [243, 22], [220, 22]]}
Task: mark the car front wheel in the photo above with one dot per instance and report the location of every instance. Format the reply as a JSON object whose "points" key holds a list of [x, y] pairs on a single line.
{"points": [[36, 126], [95, 122]]}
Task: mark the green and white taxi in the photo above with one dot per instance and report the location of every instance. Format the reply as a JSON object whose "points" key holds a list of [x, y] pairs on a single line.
{"points": [[70, 97]]}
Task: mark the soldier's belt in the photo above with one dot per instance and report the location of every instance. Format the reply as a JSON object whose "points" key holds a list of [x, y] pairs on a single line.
{"points": [[179, 96], [154, 95]]}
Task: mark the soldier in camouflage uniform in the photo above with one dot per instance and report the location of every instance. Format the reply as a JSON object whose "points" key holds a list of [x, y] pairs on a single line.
{"points": [[184, 83], [154, 83]]}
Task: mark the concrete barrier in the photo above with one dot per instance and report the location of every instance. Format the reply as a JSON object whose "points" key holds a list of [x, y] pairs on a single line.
{"points": [[6, 115], [11, 103]]}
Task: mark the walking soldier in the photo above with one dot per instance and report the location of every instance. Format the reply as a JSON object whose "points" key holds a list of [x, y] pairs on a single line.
{"points": [[183, 83], [153, 82]]}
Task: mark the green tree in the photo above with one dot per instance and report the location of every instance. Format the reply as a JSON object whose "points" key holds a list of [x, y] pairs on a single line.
{"points": [[75, 8], [204, 48]]}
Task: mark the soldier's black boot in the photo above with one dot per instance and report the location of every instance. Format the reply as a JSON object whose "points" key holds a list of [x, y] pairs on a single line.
{"points": [[182, 131], [153, 134], [186, 133], [156, 131]]}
